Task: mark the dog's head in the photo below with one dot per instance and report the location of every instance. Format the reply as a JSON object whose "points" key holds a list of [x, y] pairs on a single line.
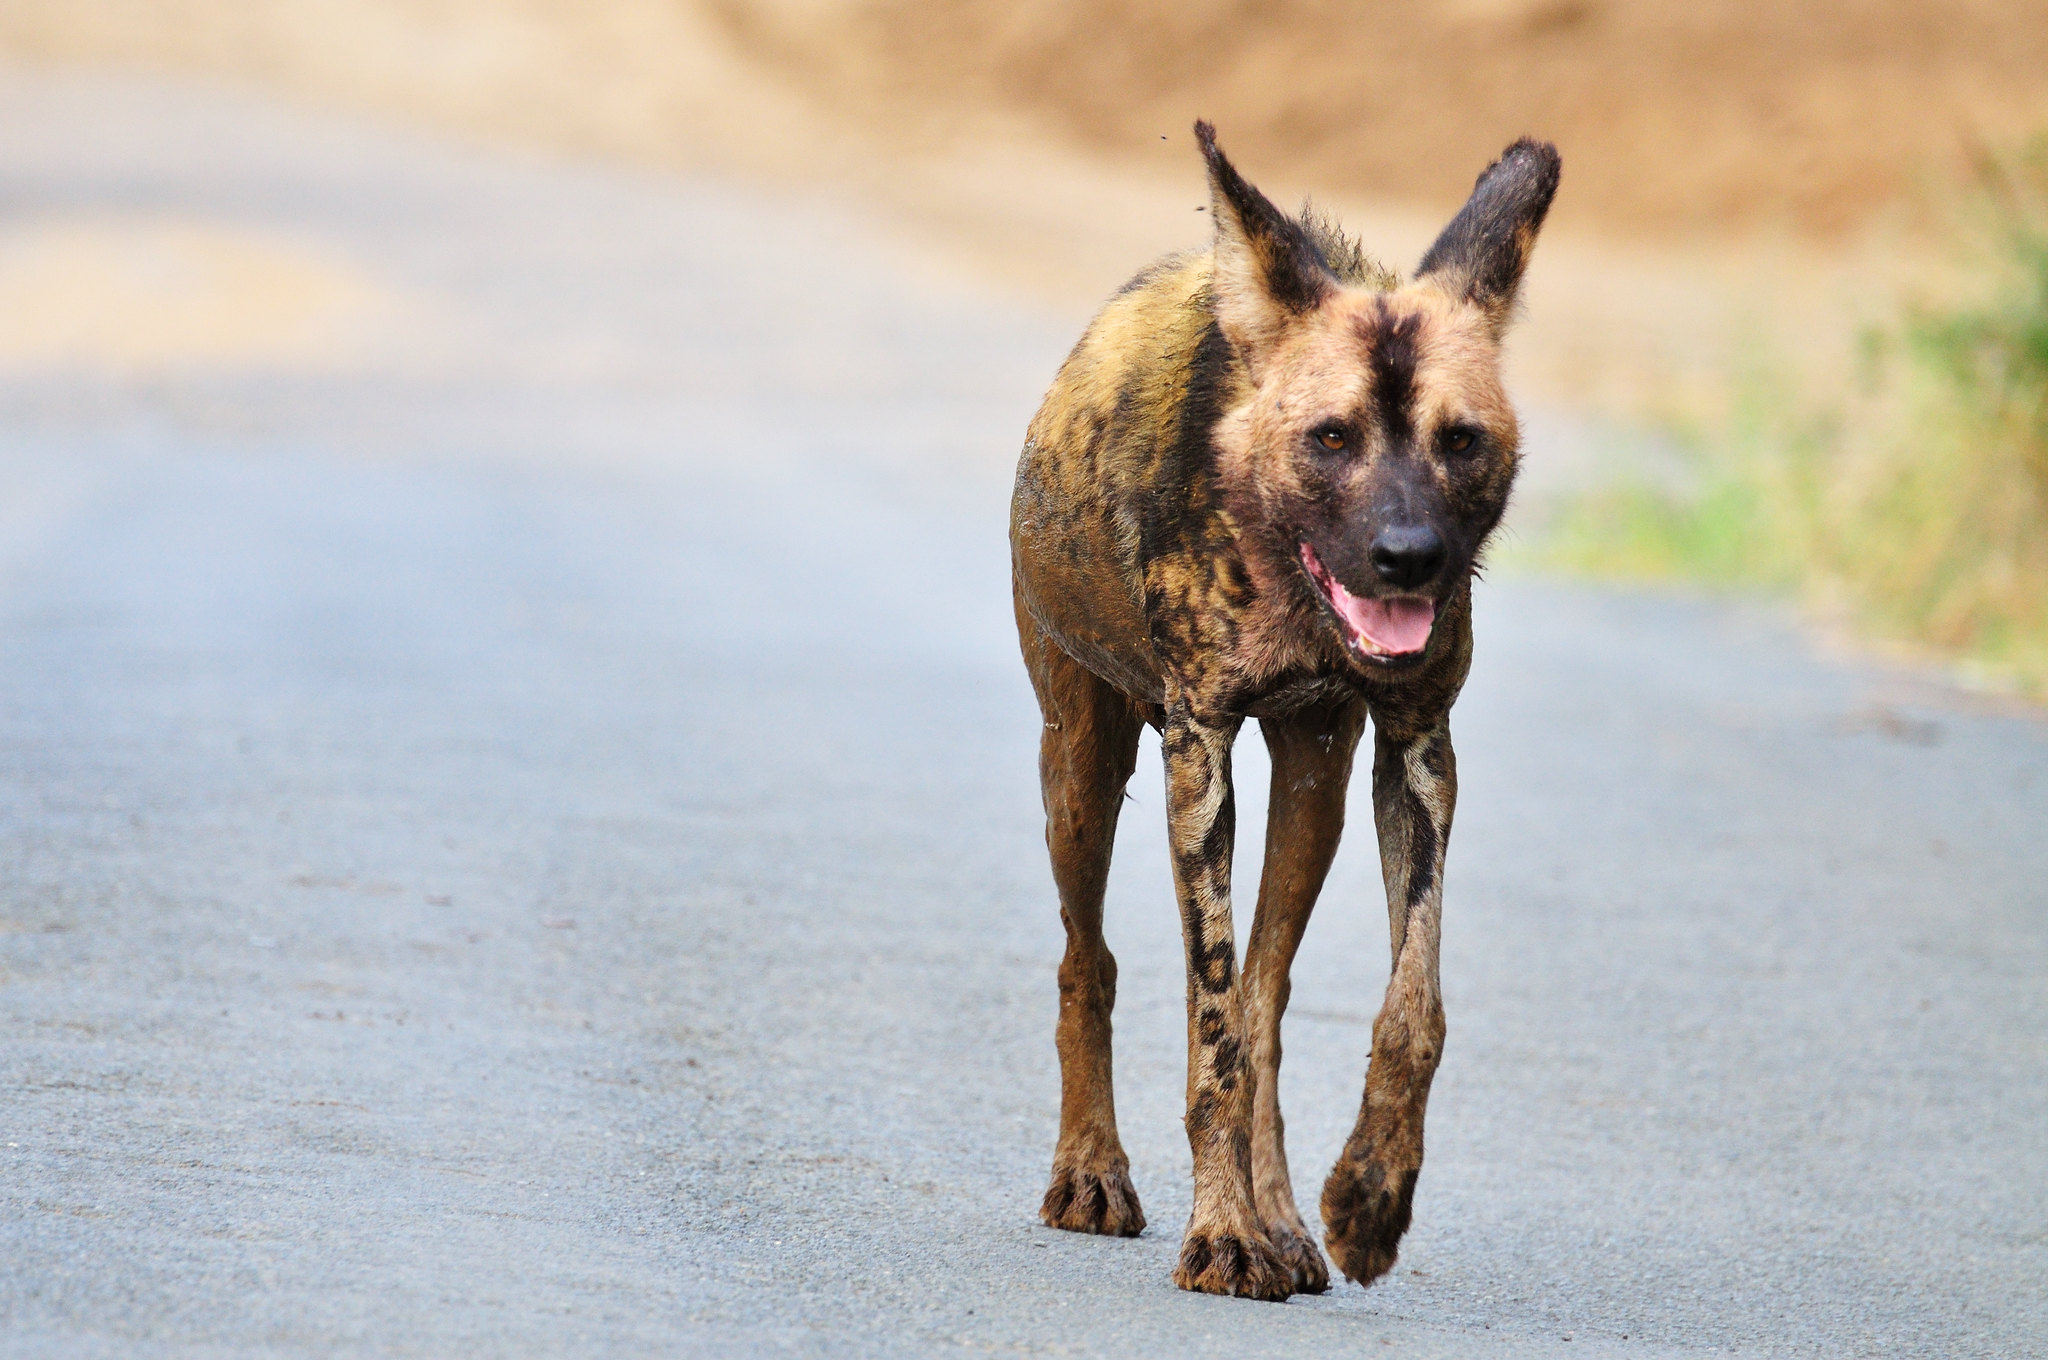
{"points": [[1376, 453]]}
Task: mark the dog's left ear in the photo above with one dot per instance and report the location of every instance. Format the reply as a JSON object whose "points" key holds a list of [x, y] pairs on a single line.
{"points": [[1482, 253], [1268, 273]]}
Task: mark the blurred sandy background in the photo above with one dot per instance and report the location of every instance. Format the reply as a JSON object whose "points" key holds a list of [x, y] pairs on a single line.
{"points": [[1740, 176]]}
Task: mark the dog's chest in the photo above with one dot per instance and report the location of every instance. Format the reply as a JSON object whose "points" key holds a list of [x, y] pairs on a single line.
{"points": [[1237, 640]]}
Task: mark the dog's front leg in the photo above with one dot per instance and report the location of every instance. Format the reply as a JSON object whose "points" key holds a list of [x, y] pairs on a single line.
{"points": [[1371, 1190], [1311, 753], [1225, 1251]]}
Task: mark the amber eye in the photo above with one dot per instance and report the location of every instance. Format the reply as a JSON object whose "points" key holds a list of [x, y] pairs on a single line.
{"points": [[1330, 437], [1457, 441]]}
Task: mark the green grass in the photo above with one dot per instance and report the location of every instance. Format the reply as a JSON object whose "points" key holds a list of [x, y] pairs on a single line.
{"points": [[1914, 506]]}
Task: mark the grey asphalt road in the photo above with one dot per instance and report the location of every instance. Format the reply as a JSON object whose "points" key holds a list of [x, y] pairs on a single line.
{"points": [[519, 836]]}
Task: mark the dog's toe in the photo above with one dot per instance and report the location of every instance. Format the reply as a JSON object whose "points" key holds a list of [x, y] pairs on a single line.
{"points": [[1093, 1201], [1242, 1265]]}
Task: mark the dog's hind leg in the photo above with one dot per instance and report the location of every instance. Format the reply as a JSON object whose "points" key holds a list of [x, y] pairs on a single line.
{"points": [[1371, 1190], [1311, 753], [1226, 1250], [1087, 749]]}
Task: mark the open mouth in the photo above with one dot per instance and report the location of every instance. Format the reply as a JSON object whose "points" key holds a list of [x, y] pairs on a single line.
{"points": [[1379, 628]]}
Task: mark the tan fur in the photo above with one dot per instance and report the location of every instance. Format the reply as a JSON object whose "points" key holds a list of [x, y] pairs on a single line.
{"points": [[1170, 502]]}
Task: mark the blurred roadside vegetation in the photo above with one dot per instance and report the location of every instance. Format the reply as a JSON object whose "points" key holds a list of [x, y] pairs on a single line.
{"points": [[1912, 507]]}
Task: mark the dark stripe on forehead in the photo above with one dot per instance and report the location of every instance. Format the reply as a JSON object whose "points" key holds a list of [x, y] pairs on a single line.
{"points": [[1391, 353]]}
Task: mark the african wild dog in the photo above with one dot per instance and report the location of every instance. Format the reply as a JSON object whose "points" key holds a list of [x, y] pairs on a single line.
{"points": [[1258, 488]]}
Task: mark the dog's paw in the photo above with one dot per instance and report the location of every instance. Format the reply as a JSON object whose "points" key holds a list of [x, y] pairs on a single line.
{"points": [[1104, 1202], [1365, 1210], [1303, 1260], [1244, 1266]]}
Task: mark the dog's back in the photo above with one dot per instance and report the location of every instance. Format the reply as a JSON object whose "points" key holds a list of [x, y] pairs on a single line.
{"points": [[1118, 448]]}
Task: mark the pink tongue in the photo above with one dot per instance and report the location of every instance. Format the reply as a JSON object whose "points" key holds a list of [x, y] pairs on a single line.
{"points": [[1393, 626]]}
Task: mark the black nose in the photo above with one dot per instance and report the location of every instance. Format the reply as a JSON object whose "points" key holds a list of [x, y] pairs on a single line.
{"points": [[1407, 555]]}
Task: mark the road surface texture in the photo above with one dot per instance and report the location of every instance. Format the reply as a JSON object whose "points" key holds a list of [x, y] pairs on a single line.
{"points": [[520, 834]]}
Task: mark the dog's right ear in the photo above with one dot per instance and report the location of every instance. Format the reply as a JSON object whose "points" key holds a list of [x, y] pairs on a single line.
{"points": [[1267, 271], [1481, 255]]}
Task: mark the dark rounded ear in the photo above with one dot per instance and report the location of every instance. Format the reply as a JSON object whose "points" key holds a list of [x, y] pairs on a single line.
{"points": [[1482, 253], [1268, 272]]}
